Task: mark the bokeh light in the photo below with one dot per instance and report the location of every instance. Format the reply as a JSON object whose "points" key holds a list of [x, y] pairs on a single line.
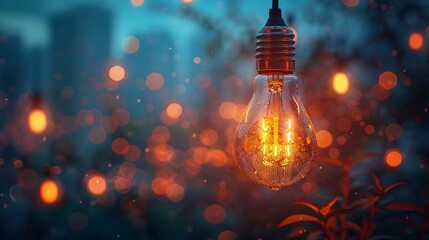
{"points": [[130, 44], [228, 110], [174, 110], [324, 138], [227, 235], [214, 214], [137, 3], [393, 157], [117, 73], [37, 121], [97, 184], [350, 3], [387, 80], [154, 81], [120, 146], [197, 60], [415, 41], [49, 191], [341, 83], [136, 114], [18, 163], [208, 137]]}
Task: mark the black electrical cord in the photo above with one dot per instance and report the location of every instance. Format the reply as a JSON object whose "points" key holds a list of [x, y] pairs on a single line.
{"points": [[275, 18], [275, 4]]}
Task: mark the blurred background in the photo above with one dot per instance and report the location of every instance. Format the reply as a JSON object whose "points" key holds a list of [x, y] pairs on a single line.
{"points": [[118, 117]]}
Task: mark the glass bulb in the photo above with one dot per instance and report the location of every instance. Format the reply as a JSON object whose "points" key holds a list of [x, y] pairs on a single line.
{"points": [[275, 143]]}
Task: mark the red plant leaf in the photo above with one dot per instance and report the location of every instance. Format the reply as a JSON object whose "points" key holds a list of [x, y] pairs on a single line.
{"points": [[377, 182], [362, 156], [392, 187], [297, 232], [325, 210], [365, 202], [298, 218], [341, 212], [404, 206], [353, 226], [370, 230], [331, 222], [332, 161], [425, 225], [306, 204], [314, 235]]}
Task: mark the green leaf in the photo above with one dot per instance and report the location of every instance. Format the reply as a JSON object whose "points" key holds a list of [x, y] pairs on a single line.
{"points": [[332, 161], [306, 204], [298, 218], [404, 206], [392, 187], [325, 210], [377, 182]]}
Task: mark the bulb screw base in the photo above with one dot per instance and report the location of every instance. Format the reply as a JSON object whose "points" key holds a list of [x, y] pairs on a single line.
{"points": [[275, 50]]}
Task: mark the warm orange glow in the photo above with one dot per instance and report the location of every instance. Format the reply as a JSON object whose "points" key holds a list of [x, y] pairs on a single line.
{"points": [[97, 185], [175, 192], [187, 1], [324, 138], [154, 81], [166, 119], [174, 110], [137, 3], [163, 152], [208, 137], [117, 73], [273, 145], [228, 110], [393, 157], [341, 83], [49, 192], [217, 157], [159, 185], [37, 121], [388, 80], [415, 41]]}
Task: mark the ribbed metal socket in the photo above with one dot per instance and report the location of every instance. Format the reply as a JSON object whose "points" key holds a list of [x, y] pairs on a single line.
{"points": [[275, 50]]}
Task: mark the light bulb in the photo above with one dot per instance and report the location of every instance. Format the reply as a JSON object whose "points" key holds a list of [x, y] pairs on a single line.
{"points": [[275, 143]]}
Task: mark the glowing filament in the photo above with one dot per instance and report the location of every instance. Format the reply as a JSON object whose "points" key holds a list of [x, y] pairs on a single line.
{"points": [[37, 121], [276, 144]]}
